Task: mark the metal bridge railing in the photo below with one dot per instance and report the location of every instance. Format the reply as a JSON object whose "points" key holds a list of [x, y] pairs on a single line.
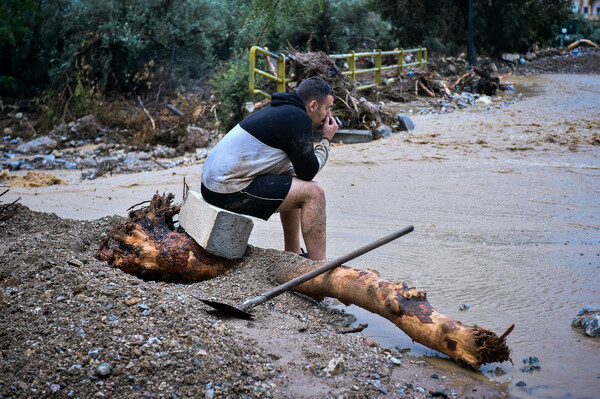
{"points": [[421, 62], [281, 80]]}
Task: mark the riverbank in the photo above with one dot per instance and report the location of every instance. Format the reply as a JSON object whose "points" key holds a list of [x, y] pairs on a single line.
{"points": [[72, 327], [503, 201]]}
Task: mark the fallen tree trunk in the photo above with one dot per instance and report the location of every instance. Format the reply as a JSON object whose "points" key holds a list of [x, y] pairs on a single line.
{"points": [[407, 308], [147, 246]]}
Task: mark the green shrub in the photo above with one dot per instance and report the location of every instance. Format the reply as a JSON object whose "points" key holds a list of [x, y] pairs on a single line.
{"points": [[230, 87]]}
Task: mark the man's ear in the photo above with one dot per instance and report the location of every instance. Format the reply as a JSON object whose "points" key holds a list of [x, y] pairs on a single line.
{"points": [[312, 106]]}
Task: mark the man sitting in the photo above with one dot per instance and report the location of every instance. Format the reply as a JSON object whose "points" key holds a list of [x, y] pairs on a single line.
{"points": [[266, 164]]}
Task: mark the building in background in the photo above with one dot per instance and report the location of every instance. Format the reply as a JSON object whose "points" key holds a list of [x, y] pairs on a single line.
{"points": [[588, 8]]}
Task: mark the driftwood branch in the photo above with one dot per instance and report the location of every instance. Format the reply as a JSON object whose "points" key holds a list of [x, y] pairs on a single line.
{"points": [[426, 90], [147, 113], [407, 308]]}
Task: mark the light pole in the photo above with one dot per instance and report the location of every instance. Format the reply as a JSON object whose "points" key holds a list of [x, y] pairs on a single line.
{"points": [[562, 37], [471, 45]]}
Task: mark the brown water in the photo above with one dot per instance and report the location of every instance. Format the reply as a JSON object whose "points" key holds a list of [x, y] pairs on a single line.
{"points": [[506, 208]]}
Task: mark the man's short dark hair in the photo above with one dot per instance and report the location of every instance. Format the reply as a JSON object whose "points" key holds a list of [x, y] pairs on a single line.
{"points": [[314, 88]]}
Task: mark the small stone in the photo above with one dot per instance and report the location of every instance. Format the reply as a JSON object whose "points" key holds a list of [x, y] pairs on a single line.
{"points": [[136, 352], [219, 327], [54, 387], [464, 307], [438, 394], [137, 339], [8, 131], [75, 369], [370, 342], [104, 370], [133, 301], [396, 361], [521, 384], [435, 376], [381, 131], [75, 262], [335, 366], [46, 295]]}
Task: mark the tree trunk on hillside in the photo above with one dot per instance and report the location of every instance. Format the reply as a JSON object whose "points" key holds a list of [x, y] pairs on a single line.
{"points": [[147, 246]]}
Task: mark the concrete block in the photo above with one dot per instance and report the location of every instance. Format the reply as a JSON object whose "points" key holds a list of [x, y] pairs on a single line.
{"points": [[220, 232]]}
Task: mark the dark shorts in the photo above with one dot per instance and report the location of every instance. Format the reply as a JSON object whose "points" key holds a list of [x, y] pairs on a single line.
{"points": [[260, 199]]}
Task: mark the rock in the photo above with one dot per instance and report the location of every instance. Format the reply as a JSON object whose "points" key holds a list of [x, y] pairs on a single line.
{"points": [[60, 132], [162, 151], [75, 262], [104, 370], [8, 131], [219, 327], [521, 384], [39, 145], [532, 364], [396, 361], [588, 319], [335, 366], [196, 137], [405, 123], [133, 301], [381, 131], [87, 126], [511, 57], [450, 70], [438, 394], [464, 307], [249, 107], [46, 295], [370, 342], [75, 369], [492, 67], [530, 56], [137, 339]]}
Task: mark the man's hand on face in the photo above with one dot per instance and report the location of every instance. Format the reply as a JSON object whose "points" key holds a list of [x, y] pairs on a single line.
{"points": [[329, 127]]}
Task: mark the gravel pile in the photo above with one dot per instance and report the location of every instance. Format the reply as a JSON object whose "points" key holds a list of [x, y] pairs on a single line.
{"points": [[70, 326]]}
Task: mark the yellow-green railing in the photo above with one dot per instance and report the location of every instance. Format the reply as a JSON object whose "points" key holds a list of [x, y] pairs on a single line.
{"points": [[280, 79], [421, 62]]}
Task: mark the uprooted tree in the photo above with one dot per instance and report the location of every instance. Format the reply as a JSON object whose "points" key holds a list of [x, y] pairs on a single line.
{"points": [[148, 246]]}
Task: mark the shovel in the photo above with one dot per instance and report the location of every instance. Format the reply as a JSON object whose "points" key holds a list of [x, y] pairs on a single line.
{"points": [[241, 311]]}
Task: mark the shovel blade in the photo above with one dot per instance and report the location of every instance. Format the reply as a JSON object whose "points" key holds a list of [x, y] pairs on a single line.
{"points": [[227, 310]]}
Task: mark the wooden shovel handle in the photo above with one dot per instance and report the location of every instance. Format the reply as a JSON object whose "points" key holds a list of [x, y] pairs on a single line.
{"points": [[250, 303]]}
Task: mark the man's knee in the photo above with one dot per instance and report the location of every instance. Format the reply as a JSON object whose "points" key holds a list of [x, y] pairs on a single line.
{"points": [[315, 192]]}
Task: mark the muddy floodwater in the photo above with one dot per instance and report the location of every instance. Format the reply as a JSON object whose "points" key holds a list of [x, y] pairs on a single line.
{"points": [[505, 200]]}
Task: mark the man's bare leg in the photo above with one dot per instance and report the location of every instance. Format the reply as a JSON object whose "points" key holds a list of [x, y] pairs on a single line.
{"points": [[290, 221], [309, 197]]}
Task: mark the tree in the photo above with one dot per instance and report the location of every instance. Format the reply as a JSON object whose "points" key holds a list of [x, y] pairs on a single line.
{"points": [[500, 25], [17, 19]]}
